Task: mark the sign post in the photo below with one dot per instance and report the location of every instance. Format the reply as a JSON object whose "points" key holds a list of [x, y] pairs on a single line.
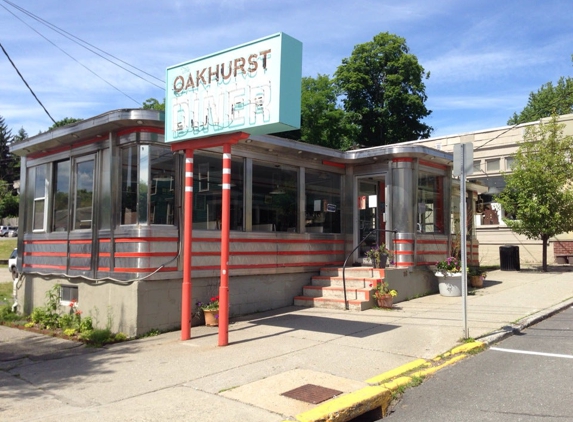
{"points": [[463, 165]]}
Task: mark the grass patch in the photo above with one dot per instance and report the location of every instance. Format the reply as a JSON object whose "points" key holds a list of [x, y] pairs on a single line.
{"points": [[7, 246], [6, 291]]}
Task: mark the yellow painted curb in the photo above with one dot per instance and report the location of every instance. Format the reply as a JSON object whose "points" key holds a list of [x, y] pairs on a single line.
{"points": [[379, 379], [464, 348], [349, 406], [397, 383], [434, 369]]}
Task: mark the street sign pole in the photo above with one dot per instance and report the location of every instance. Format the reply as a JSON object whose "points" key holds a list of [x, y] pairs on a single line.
{"points": [[463, 165]]}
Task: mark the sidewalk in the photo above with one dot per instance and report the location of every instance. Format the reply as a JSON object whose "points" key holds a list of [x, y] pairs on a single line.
{"points": [[163, 378]]}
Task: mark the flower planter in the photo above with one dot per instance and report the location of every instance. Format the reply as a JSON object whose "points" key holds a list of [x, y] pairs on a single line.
{"points": [[476, 281], [211, 317], [385, 301], [450, 284]]}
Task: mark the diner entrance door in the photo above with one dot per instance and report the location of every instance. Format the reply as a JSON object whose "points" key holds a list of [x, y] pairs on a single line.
{"points": [[371, 213]]}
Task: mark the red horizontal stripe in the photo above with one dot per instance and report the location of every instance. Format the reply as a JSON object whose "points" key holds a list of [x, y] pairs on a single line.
{"points": [[49, 242], [143, 270], [54, 254], [149, 129], [241, 267], [50, 267], [431, 164]]}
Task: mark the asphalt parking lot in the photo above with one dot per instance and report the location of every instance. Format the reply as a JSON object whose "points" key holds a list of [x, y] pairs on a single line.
{"points": [[526, 377]]}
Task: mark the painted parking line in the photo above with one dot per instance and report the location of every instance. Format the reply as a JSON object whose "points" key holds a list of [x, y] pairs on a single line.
{"points": [[525, 352]]}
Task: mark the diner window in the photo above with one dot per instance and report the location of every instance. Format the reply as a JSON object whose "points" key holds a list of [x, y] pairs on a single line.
{"points": [[492, 165], [147, 185], [477, 166], [207, 191], [430, 207], [68, 294], [162, 195], [509, 163], [40, 189], [322, 192], [84, 193], [61, 194], [275, 198]]}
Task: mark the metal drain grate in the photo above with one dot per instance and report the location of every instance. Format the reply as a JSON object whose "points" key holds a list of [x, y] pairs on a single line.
{"points": [[311, 393]]}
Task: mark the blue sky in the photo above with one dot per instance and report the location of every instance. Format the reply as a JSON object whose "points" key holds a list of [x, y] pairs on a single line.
{"points": [[484, 57]]}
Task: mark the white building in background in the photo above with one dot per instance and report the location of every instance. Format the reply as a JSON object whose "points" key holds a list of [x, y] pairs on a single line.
{"points": [[494, 150]]}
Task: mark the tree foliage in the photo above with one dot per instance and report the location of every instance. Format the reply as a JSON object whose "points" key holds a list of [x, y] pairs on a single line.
{"points": [[9, 201], [323, 121], [547, 100], [153, 104], [64, 122], [384, 91], [9, 163], [538, 191]]}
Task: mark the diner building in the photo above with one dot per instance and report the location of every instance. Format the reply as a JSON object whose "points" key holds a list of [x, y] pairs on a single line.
{"points": [[103, 214]]}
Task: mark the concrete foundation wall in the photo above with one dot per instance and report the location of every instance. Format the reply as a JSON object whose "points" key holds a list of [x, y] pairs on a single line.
{"points": [[411, 283], [137, 308]]}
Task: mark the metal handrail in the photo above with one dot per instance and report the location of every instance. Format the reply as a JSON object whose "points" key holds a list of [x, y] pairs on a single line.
{"points": [[351, 253]]}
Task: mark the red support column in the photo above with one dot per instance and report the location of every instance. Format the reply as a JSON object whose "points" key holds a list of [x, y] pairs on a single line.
{"points": [[225, 232], [186, 313]]}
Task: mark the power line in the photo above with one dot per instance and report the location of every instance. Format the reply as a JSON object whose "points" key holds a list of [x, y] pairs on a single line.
{"points": [[73, 58], [24, 80], [81, 43]]}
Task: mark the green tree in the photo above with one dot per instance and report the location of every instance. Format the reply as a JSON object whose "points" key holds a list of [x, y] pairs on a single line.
{"points": [[547, 100], [323, 121], [384, 91], [64, 122], [538, 191], [9, 202], [154, 104], [9, 164]]}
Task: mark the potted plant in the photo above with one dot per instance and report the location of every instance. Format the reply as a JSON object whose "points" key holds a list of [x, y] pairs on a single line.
{"points": [[378, 255], [477, 276], [383, 295], [449, 273], [210, 311]]}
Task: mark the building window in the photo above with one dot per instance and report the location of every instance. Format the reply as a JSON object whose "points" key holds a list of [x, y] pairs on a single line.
{"points": [[322, 191], [83, 193], [61, 194], [40, 193], [430, 208], [509, 163], [477, 166], [162, 195], [207, 191], [147, 185], [492, 165], [275, 198], [68, 294]]}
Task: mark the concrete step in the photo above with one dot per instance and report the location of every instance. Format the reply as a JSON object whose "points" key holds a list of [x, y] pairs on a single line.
{"points": [[356, 272], [336, 292], [331, 303], [351, 282]]}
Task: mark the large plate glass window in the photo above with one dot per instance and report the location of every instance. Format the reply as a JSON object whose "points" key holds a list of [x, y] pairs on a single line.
{"points": [[40, 193], [60, 214], [430, 207], [322, 190], [207, 191], [275, 198], [147, 185], [84, 192]]}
